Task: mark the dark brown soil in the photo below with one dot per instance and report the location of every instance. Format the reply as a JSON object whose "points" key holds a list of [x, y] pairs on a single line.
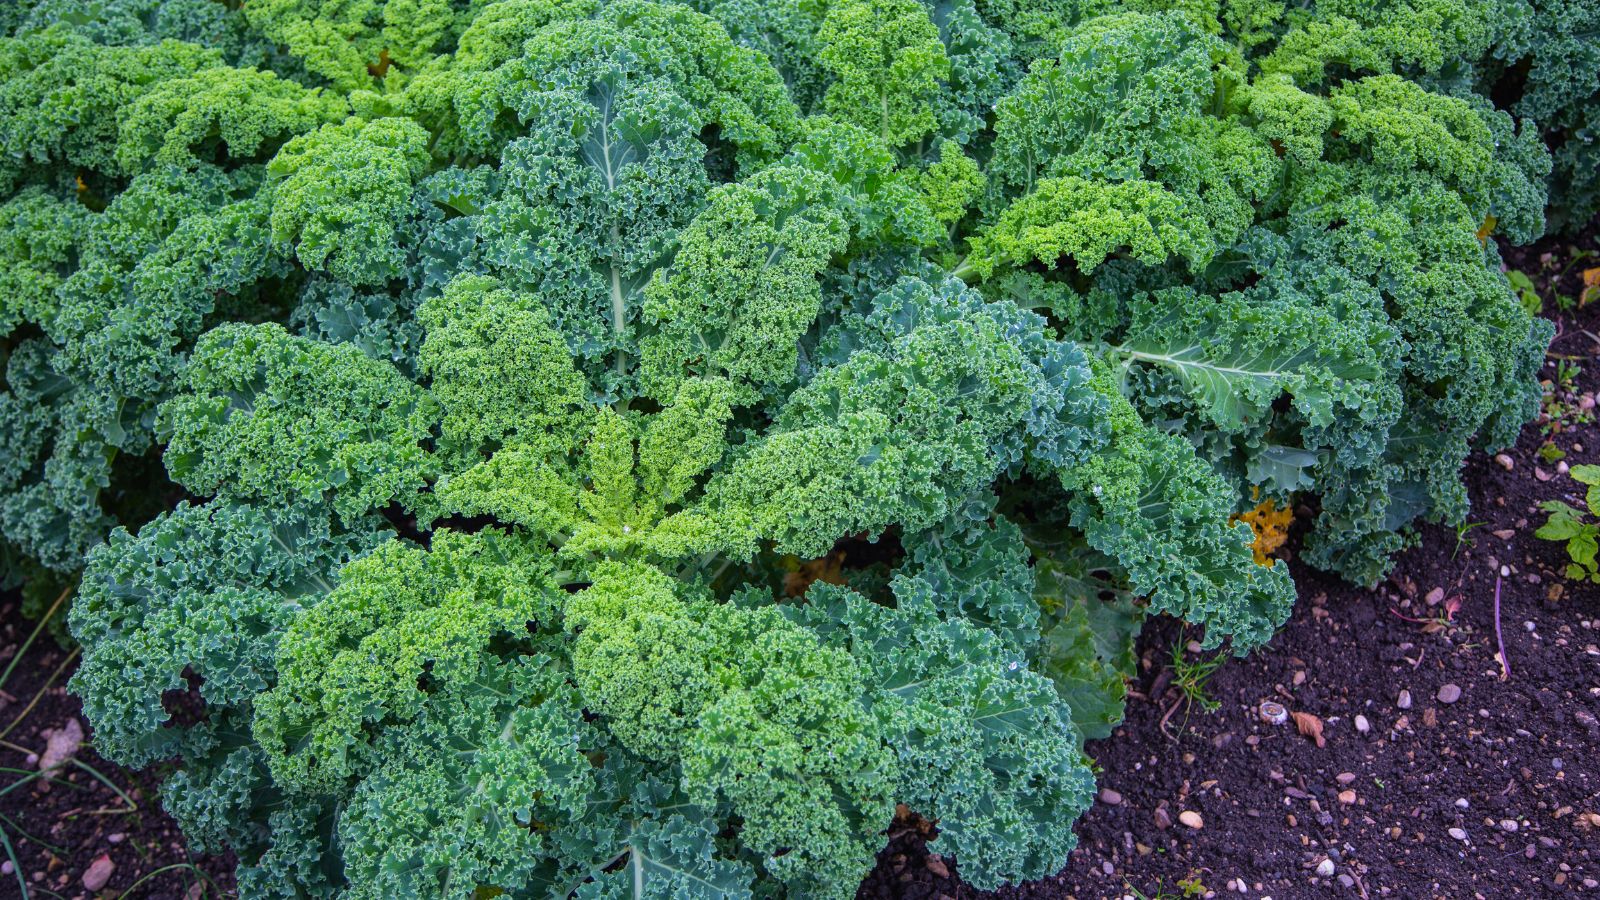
{"points": [[1513, 763], [58, 828]]}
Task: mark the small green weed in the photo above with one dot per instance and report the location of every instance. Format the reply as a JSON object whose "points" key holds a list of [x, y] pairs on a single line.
{"points": [[1579, 528]]}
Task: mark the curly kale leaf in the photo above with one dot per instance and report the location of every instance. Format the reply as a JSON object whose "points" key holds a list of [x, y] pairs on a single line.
{"points": [[265, 414], [500, 372], [976, 568], [1162, 513], [61, 96], [339, 191], [743, 285], [204, 590], [982, 742], [737, 695], [886, 61], [242, 113], [945, 394]]}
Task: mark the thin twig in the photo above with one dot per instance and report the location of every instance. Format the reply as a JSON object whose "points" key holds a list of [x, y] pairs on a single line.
{"points": [[1170, 710], [1505, 664]]}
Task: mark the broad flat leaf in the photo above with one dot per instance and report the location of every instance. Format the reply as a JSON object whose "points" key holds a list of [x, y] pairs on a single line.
{"points": [[1237, 356], [1282, 470], [1089, 628]]}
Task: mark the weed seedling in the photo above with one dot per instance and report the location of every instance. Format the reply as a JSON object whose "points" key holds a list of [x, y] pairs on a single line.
{"points": [[1462, 538], [1578, 527], [1190, 677]]}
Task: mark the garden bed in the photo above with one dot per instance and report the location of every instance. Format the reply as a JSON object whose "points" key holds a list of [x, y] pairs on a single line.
{"points": [[1492, 793]]}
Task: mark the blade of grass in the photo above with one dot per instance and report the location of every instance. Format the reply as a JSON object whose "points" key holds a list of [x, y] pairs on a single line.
{"points": [[36, 697], [191, 867], [98, 776], [43, 621], [16, 864], [59, 851], [30, 776]]}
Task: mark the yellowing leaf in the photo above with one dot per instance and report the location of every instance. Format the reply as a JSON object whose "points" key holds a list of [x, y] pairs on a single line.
{"points": [[1271, 525], [1487, 228]]}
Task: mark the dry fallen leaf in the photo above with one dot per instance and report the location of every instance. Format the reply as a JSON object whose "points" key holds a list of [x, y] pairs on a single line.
{"points": [[1310, 726], [828, 570]]}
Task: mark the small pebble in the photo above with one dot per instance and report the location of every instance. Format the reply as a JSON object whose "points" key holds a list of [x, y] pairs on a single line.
{"points": [[1107, 867], [1508, 824], [1505, 461], [1163, 818], [98, 873], [1346, 880], [1458, 833], [1404, 700], [1325, 868], [1449, 693], [1110, 797], [1530, 851], [61, 745], [1348, 798], [1362, 725], [1556, 764], [7, 867], [1191, 819], [1462, 803], [1435, 596], [1345, 777]]}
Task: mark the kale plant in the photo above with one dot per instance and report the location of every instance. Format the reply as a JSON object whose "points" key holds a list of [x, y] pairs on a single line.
{"points": [[466, 376]]}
